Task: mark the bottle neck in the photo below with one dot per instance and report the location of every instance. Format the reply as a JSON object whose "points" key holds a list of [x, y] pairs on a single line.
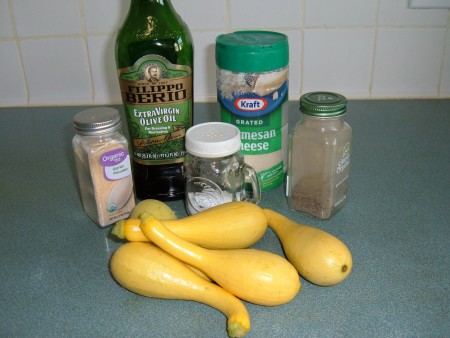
{"points": [[152, 13], [159, 4]]}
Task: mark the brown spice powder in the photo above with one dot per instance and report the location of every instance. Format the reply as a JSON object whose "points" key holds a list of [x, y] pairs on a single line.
{"points": [[312, 195]]}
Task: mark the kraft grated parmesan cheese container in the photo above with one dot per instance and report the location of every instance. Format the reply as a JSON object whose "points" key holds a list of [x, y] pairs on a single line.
{"points": [[252, 87]]}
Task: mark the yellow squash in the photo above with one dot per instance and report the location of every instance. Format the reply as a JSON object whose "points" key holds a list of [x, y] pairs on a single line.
{"points": [[156, 208], [147, 270], [253, 275], [232, 225], [317, 255]]}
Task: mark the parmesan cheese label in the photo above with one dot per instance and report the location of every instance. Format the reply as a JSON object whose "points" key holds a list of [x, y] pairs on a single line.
{"points": [[254, 103]]}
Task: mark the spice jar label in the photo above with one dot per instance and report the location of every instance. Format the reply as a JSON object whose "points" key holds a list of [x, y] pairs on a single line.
{"points": [[116, 164], [345, 160]]}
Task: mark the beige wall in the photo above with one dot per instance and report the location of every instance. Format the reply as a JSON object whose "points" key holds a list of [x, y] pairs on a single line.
{"points": [[55, 52]]}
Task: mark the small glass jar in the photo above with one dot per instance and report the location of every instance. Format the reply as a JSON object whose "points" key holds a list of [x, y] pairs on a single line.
{"points": [[319, 156], [103, 165], [214, 170]]}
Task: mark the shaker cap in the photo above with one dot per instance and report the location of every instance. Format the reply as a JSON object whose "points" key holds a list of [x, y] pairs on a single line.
{"points": [[213, 139], [252, 51], [97, 121], [323, 104]]}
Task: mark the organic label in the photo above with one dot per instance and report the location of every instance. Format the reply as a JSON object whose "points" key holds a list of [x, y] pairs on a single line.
{"points": [[158, 100], [116, 164]]}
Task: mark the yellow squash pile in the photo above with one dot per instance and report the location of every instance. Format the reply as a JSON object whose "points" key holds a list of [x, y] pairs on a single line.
{"points": [[207, 258]]}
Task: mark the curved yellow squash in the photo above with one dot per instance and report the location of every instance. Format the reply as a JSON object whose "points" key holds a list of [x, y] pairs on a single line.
{"points": [[233, 225], [256, 276], [317, 255], [147, 270], [156, 208]]}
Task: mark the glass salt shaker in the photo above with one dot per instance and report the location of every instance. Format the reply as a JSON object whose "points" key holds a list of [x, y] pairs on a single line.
{"points": [[214, 170], [319, 156]]}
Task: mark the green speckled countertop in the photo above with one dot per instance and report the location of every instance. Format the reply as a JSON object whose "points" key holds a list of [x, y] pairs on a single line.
{"points": [[54, 277]]}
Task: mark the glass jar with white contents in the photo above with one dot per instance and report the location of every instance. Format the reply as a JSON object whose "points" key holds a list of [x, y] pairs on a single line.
{"points": [[214, 170], [319, 156], [103, 165]]}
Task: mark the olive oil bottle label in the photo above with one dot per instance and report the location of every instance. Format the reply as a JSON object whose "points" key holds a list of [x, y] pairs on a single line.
{"points": [[158, 100]]}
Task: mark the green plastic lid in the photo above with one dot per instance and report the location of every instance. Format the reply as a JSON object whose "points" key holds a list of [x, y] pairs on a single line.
{"points": [[252, 51], [324, 104]]}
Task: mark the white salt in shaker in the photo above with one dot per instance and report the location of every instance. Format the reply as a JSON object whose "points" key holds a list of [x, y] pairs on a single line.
{"points": [[214, 169], [103, 165], [319, 156]]}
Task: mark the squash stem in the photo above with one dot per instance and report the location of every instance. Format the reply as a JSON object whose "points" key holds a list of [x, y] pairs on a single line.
{"points": [[236, 330], [118, 229]]}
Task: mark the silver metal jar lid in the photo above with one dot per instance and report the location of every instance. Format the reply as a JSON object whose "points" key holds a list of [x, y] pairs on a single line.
{"points": [[97, 121], [213, 139]]}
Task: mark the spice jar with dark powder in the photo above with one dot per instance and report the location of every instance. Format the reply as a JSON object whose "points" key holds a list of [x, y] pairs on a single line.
{"points": [[319, 156]]}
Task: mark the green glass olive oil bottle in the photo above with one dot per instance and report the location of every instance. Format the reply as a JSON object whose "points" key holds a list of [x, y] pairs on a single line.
{"points": [[154, 57]]}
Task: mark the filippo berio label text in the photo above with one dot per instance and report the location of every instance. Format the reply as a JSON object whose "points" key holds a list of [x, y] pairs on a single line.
{"points": [[142, 93], [158, 101]]}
